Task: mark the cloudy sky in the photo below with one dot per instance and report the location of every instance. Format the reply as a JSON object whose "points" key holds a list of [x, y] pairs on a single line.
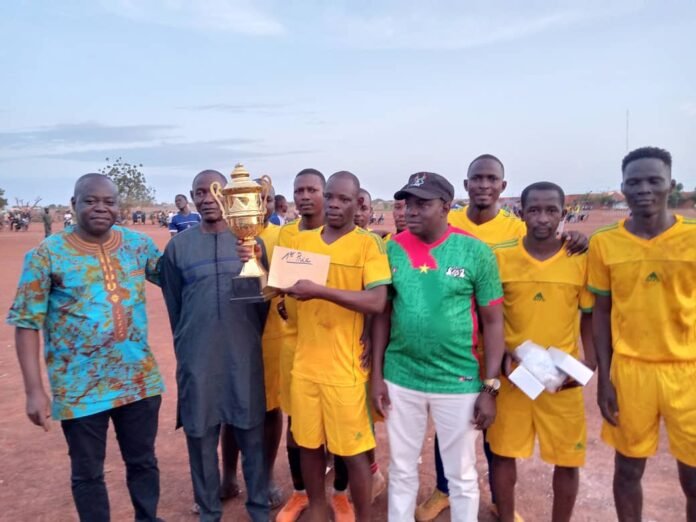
{"points": [[382, 88]]}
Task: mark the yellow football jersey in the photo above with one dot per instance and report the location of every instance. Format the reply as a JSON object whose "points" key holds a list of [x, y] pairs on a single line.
{"points": [[652, 283], [275, 325], [287, 232], [328, 341], [269, 236], [285, 238], [503, 227], [542, 298]]}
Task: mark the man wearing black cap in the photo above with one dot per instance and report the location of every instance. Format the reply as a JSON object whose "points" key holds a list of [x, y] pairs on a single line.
{"points": [[424, 347]]}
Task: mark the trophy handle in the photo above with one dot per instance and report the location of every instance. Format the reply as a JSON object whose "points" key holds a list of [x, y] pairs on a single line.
{"points": [[217, 194]]}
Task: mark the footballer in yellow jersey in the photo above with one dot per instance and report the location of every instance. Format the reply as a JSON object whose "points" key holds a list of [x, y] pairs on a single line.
{"points": [[328, 351], [328, 387], [643, 272], [307, 185], [288, 307], [503, 227], [655, 277], [544, 289], [273, 330], [308, 195]]}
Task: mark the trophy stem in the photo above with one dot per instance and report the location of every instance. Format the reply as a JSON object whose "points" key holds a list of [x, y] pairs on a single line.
{"points": [[253, 268]]}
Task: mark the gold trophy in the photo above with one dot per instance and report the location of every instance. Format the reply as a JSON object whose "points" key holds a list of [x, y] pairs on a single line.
{"points": [[243, 205]]}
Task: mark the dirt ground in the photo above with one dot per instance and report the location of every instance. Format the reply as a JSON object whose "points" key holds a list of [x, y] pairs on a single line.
{"points": [[34, 466]]}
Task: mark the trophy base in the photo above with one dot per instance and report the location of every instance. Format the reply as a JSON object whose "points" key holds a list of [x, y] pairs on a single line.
{"points": [[252, 290]]}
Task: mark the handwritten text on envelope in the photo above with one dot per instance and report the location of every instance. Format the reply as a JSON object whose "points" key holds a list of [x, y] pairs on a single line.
{"points": [[289, 266]]}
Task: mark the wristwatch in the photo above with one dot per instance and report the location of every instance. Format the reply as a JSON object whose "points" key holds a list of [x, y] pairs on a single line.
{"points": [[491, 386]]}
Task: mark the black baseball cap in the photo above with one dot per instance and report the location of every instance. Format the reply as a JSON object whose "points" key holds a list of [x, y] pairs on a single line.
{"points": [[427, 185]]}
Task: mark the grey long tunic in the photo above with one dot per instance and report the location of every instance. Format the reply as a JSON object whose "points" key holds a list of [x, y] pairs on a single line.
{"points": [[217, 342]]}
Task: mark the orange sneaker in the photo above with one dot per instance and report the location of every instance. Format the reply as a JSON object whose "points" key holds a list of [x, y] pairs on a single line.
{"points": [[294, 507], [342, 508]]}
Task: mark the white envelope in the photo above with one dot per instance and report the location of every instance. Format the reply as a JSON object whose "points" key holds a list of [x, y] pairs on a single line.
{"points": [[288, 266]]}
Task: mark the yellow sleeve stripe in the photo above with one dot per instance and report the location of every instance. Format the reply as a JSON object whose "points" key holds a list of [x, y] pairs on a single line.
{"points": [[689, 221], [606, 228], [598, 291], [505, 244], [375, 284], [378, 240]]}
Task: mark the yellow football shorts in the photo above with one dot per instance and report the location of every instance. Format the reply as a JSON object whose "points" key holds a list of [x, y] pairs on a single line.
{"points": [[271, 371], [335, 416], [557, 419], [645, 393], [286, 361]]}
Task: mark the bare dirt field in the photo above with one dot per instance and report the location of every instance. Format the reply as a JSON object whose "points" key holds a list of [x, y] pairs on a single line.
{"points": [[34, 467]]}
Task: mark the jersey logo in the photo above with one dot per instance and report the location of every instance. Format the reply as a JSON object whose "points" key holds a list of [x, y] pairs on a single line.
{"points": [[652, 278], [456, 271], [418, 181], [424, 269], [539, 297]]}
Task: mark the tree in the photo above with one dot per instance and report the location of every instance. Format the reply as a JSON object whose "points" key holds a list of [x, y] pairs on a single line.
{"points": [[676, 197], [132, 186], [3, 201], [605, 199]]}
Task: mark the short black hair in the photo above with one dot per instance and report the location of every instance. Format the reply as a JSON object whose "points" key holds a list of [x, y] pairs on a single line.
{"points": [[180, 196], [542, 185], [647, 152], [487, 157], [348, 175], [279, 197], [312, 172]]}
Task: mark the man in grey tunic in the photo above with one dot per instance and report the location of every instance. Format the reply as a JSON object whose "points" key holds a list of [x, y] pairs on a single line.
{"points": [[218, 351]]}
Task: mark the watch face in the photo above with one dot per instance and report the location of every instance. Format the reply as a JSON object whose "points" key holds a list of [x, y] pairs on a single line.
{"points": [[493, 383]]}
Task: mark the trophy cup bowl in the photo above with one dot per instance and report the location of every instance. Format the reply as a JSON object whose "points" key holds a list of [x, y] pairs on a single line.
{"points": [[243, 207]]}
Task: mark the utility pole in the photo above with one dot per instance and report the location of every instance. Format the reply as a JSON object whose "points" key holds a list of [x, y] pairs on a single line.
{"points": [[627, 115]]}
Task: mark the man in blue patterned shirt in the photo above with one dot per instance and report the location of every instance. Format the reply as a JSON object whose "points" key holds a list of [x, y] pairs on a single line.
{"points": [[85, 288]]}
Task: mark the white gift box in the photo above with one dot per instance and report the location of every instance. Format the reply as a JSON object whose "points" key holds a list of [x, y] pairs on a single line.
{"points": [[542, 368], [570, 365], [538, 362], [526, 382]]}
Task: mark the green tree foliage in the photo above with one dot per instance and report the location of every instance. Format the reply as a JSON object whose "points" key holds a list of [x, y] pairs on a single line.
{"points": [[3, 200], [676, 197], [132, 186]]}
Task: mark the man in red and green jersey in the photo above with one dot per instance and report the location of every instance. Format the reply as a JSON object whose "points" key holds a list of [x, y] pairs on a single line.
{"points": [[425, 357]]}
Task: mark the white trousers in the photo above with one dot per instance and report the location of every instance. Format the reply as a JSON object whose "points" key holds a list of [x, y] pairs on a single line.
{"points": [[406, 425]]}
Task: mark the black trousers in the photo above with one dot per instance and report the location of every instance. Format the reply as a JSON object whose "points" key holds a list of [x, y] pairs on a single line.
{"points": [[203, 459], [136, 429]]}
